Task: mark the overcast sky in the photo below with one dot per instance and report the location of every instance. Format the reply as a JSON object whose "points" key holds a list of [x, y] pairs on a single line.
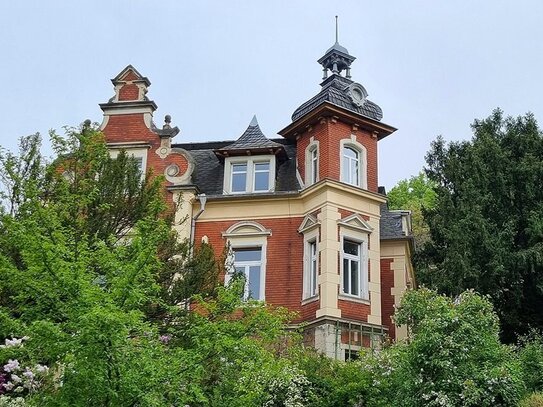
{"points": [[432, 66]]}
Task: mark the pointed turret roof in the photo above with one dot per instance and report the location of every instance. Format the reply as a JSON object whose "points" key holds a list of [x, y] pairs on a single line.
{"points": [[251, 141]]}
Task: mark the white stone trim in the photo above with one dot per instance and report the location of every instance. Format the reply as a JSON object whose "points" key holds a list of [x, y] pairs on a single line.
{"points": [[362, 239], [310, 236], [356, 222], [308, 223], [251, 229], [238, 238], [184, 178]]}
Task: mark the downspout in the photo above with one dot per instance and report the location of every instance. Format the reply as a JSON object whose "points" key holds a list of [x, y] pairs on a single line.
{"points": [[203, 199]]}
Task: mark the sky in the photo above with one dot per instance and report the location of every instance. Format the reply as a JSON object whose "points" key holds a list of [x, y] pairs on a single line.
{"points": [[432, 66]]}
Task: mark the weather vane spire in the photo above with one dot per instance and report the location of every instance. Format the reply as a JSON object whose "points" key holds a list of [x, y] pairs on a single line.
{"points": [[336, 32]]}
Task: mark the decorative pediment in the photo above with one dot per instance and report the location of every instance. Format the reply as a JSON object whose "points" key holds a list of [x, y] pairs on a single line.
{"points": [[310, 222], [356, 222], [246, 228]]}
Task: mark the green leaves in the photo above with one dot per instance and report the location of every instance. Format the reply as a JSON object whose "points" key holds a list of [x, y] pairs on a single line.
{"points": [[486, 225]]}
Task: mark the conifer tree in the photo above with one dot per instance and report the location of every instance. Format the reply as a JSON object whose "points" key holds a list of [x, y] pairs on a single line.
{"points": [[487, 224]]}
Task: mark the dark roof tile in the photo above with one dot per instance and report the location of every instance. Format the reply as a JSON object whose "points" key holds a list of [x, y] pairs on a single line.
{"points": [[334, 91]]}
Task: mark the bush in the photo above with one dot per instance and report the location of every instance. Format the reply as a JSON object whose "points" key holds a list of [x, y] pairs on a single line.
{"points": [[533, 400], [531, 359]]}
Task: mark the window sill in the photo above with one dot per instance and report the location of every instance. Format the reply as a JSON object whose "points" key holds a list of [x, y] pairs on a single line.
{"points": [[352, 298], [310, 299]]}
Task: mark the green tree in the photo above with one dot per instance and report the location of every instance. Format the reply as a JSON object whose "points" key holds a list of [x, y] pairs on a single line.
{"points": [[487, 224], [101, 303]]}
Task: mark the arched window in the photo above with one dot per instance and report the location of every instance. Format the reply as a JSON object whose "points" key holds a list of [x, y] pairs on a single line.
{"points": [[248, 242], [351, 166], [312, 162], [314, 158], [353, 159]]}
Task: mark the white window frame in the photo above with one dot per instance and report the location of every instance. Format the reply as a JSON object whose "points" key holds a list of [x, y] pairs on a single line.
{"points": [[363, 276], [311, 268], [245, 235], [311, 158], [246, 265], [250, 175], [361, 151]]}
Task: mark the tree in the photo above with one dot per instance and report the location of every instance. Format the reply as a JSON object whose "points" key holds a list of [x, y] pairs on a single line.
{"points": [[487, 224], [415, 194], [90, 311]]}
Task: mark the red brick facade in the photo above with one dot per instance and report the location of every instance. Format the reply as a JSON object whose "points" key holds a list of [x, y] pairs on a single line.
{"points": [[329, 132], [128, 124]]}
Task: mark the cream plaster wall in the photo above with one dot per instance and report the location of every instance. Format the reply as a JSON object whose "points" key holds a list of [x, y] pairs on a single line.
{"points": [[398, 250]]}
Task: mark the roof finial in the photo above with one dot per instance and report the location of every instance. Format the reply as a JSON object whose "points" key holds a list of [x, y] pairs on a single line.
{"points": [[254, 122], [336, 32]]}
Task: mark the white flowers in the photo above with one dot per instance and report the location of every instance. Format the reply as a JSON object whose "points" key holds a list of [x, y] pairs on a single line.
{"points": [[18, 380], [11, 366], [14, 342]]}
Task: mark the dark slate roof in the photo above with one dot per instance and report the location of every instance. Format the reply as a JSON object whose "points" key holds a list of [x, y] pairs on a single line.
{"points": [[390, 224], [337, 47], [209, 168], [251, 139], [334, 91]]}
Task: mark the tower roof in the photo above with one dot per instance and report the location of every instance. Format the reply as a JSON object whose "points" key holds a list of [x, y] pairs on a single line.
{"points": [[251, 141], [341, 92], [338, 89], [337, 47]]}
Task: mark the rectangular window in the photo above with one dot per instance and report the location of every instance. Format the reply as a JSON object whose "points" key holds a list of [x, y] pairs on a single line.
{"points": [[352, 262], [248, 263], [139, 156], [350, 170], [311, 270], [239, 177], [351, 354], [314, 165], [262, 176], [249, 175]]}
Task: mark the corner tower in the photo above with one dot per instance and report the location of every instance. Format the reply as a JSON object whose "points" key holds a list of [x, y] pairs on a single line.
{"points": [[343, 123]]}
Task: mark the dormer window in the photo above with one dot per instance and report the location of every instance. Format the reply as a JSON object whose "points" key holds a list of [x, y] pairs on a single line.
{"points": [[239, 177], [249, 174]]}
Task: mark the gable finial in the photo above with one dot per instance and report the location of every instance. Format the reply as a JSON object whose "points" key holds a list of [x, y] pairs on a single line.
{"points": [[336, 32]]}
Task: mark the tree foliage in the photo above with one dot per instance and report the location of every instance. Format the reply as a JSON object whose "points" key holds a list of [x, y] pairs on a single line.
{"points": [[93, 285], [487, 224], [453, 357]]}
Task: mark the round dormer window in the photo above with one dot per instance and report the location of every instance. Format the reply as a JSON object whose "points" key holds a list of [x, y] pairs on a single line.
{"points": [[357, 94]]}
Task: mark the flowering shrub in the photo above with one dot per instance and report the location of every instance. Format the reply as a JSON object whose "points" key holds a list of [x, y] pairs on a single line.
{"points": [[290, 389], [18, 380]]}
